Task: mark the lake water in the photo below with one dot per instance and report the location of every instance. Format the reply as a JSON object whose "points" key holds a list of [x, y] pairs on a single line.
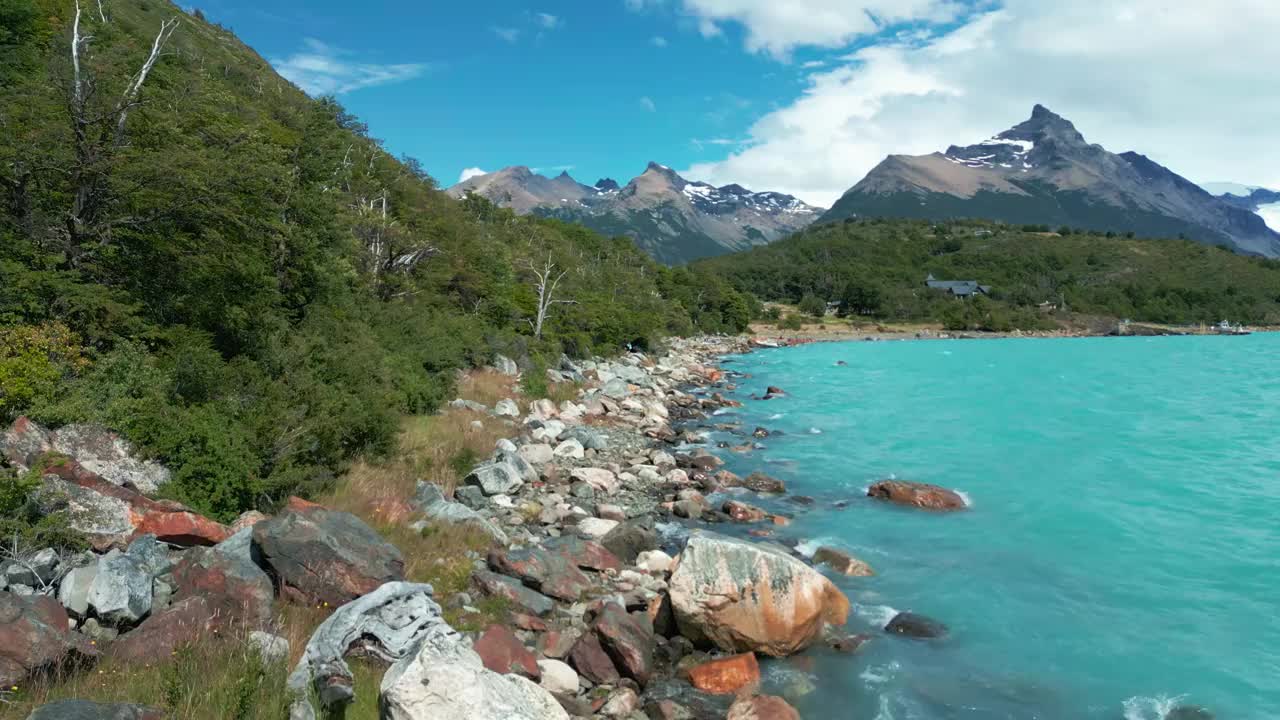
{"points": [[1122, 550]]}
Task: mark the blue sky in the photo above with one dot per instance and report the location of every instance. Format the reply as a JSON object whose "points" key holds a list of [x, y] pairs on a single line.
{"points": [[800, 96]]}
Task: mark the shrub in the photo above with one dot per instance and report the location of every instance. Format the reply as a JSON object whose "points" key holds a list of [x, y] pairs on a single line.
{"points": [[791, 322], [33, 361], [813, 305]]}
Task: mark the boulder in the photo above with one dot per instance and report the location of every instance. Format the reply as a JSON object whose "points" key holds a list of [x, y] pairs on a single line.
{"points": [[589, 438], [741, 596], [502, 652], [444, 678], [571, 449], [656, 562], [762, 707], [513, 591], [550, 572], [391, 623], [744, 513], [599, 479], [430, 502], [537, 453], [631, 538], [110, 456], [842, 562], [495, 478], [87, 710], [726, 675], [506, 407], [321, 556], [505, 365], [591, 661], [628, 640], [911, 625], [24, 442], [584, 553], [917, 495], [229, 579], [557, 677], [622, 703], [182, 528], [120, 593], [848, 644], [73, 593], [762, 483], [183, 623], [596, 527], [34, 637], [271, 649], [616, 389]]}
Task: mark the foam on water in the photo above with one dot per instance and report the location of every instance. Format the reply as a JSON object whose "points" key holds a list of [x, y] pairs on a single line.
{"points": [[968, 501], [880, 674], [877, 615], [1151, 708]]}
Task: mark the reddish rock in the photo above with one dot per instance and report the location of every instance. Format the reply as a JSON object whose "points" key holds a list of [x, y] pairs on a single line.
{"points": [[628, 639], [917, 495], [742, 512], [186, 621], [24, 442], [842, 562], [322, 556], [762, 483], [181, 528], [592, 662], [298, 504], [774, 390], [726, 675], [762, 707], [547, 571], [502, 652], [661, 617], [760, 533], [228, 579], [780, 520], [584, 553], [34, 637]]}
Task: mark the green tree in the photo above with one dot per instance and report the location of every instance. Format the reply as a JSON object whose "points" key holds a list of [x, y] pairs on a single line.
{"points": [[813, 305]]}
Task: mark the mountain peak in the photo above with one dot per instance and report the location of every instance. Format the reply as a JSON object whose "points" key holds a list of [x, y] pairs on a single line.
{"points": [[607, 184], [1040, 112], [564, 174]]}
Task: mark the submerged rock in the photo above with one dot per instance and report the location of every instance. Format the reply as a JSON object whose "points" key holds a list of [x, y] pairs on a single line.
{"points": [[742, 596], [842, 562], [912, 625], [918, 495]]}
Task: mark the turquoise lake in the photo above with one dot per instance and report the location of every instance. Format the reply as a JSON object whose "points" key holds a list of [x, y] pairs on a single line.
{"points": [[1121, 554]]}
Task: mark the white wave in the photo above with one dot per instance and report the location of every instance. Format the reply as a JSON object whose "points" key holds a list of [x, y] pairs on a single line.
{"points": [[809, 547], [878, 615], [720, 411], [968, 501], [815, 431], [879, 674], [776, 416], [1150, 708], [884, 713]]}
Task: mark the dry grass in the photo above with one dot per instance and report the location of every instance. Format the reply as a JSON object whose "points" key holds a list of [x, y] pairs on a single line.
{"points": [[486, 386]]}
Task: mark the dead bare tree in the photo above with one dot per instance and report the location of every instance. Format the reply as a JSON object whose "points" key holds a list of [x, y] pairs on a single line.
{"points": [[99, 134], [546, 284]]}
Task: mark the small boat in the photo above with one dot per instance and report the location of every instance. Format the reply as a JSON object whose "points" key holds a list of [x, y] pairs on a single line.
{"points": [[1226, 328]]}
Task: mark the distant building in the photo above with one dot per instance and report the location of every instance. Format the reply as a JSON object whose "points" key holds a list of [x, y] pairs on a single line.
{"points": [[958, 288]]}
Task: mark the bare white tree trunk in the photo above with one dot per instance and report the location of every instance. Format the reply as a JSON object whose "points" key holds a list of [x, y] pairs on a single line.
{"points": [[102, 14], [546, 286], [130, 96]]}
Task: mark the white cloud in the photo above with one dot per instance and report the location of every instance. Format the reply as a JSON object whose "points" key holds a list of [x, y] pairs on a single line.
{"points": [[647, 103], [470, 173], [1186, 84], [547, 20], [658, 41], [813, 64], [320, 69], [778, 26], [508, 34]]}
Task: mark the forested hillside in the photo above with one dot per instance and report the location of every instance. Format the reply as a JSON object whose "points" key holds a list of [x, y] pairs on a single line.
{"points": [[878, 268], [242, 280]]}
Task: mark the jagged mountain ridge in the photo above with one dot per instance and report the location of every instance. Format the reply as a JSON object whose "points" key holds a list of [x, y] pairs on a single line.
{"points": [[671, 218], [1043, 171]]}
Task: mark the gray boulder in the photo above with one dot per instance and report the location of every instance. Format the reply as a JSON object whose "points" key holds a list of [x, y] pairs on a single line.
{"points": [[506, 408], [495, 478], [522, 467], [120, 593], [505, 365], [616, 389], [590, 439], [436, 509], [471, 496], [471, 405]]}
